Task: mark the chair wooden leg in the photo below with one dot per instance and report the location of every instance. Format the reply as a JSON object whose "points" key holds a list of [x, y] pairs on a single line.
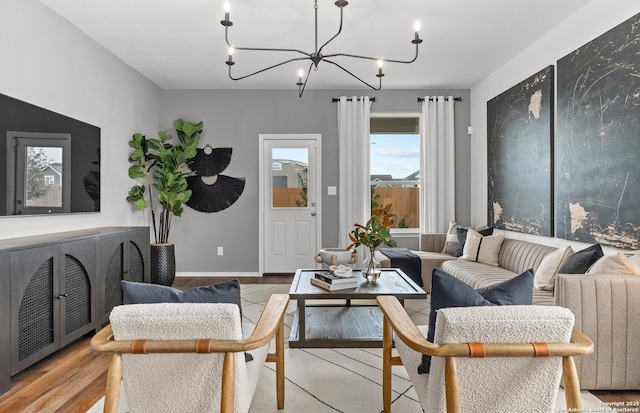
{"points": [[280, 365], [228, 384], [452, 388], [571, 383], [114, 376], [387, 344]]}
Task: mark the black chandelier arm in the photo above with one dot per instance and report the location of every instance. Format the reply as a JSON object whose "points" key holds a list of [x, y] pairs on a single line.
{"points": [[260, 49], [330, 40], [374, 58], [266, 68], [304, 85], [356, 77]]}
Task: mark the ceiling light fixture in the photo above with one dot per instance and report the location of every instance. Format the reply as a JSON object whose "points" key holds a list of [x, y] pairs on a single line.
{"points": [[315, 57]]}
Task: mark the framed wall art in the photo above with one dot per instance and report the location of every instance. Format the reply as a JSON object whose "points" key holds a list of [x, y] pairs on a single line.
{"points": [[520, 156], [598, 140]]}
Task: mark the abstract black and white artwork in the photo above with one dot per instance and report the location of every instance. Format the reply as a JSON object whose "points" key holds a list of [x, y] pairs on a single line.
{"points": [[519, 156], [598, 140]]}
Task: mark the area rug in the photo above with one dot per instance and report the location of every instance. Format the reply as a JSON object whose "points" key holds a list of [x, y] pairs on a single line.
{"points": [[335, 380]]}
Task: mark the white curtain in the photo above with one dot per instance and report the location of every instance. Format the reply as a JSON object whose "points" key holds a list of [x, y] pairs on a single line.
{"points": [[438, 162], [353, 160]]}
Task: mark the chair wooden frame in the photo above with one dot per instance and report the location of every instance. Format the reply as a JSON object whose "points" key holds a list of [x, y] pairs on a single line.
{"points": [[396, 319], [270, 324]]}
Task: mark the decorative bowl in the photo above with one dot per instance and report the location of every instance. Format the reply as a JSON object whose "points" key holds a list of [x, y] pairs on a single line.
{"points": [[336, 256]]}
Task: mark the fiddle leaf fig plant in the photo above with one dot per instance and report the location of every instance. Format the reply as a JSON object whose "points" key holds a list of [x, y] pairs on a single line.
{"points": [[162, 166]]}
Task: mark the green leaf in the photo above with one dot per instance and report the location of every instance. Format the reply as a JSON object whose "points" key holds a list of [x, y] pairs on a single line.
{"points": [[141, 204], [136, 171]]}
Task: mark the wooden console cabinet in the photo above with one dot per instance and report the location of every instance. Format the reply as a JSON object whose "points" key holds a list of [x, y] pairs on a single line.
{"points": [[55, 288]]}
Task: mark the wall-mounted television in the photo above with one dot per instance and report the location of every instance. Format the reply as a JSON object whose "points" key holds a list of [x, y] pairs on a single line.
{"points": [[49, 163]]}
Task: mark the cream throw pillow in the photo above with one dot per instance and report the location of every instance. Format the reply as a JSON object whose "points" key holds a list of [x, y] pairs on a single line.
{"points": [[545, 275], [482, 249], [613, 264], [451, 243], [634, 257]]}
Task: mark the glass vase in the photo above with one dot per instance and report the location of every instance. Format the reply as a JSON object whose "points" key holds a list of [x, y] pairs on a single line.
{"points": [[371, 268]]}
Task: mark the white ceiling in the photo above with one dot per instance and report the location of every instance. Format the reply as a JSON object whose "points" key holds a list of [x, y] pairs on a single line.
{"points": [[179, 44]]}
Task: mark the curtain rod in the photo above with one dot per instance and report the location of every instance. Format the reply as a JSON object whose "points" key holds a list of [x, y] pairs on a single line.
{"points": [[349, 99], [458, 99]]}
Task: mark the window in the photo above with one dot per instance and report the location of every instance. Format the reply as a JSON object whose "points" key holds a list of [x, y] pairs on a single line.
{"points": [[289, 167], [395, 167], [42, 182]]}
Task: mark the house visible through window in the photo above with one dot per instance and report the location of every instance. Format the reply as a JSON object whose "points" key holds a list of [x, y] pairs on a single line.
{"points": [[395, 167]]}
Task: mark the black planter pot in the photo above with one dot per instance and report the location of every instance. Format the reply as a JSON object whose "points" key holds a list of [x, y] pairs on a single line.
{"points": [[163, 264]]}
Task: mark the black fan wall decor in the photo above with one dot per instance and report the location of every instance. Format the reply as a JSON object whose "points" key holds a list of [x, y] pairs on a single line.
{"points": [[210, 191]]}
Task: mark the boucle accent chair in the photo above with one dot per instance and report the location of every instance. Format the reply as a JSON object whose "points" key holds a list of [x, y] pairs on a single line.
{"points": [[184, 357], [493, 358]]}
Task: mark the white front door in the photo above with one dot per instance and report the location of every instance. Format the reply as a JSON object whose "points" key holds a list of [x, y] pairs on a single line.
{"points": [[289, 198]]}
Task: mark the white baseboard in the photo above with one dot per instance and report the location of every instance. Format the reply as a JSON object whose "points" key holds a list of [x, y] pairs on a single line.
{"points": [[218, 274]]}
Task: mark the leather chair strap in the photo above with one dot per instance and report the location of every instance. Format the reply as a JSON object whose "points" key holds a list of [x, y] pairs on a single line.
{"points": [[202, 345], [139, 347], [476, 350], [541, 350]]}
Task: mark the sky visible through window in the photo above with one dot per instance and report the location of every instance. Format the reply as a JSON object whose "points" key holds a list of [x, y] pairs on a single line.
{"points": [[291, 154], [397, 155]]}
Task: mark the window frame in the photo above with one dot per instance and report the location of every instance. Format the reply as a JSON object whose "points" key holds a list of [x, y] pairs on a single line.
{"points": [[406, 232]]}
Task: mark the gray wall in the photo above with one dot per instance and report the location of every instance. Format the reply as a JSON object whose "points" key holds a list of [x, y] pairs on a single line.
{"points": [[52, 64], [235, 118]]}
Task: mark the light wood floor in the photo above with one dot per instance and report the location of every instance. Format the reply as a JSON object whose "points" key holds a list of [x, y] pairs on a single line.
{"points": [[73, 379]]}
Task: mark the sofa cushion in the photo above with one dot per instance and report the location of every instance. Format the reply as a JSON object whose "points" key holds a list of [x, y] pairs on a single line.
{"points": [[451, 243], [462, 238], [518, 256], [545, 275], [479, 275], [581, 261], [144, 293], [448, 291], [482, 249], [613, 264]]}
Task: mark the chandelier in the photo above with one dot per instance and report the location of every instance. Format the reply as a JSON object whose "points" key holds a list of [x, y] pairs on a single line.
{"points": [[315, 57]]}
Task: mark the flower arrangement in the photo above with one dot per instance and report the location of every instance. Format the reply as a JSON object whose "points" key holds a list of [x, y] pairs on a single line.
{"points": [[374, 233]]}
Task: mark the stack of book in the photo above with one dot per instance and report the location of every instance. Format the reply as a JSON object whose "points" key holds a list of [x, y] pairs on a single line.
{"points": [[328, 281]]}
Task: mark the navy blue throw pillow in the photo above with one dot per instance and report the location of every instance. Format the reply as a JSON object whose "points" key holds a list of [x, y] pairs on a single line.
{"points": [[144, 293], [447, 291], [581, 261]]}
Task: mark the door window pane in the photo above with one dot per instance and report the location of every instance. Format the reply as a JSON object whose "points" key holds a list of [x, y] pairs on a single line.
{"points": [[395, 168], [289, 168]]}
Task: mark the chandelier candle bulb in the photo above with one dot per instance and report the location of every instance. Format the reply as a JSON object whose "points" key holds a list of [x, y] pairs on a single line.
{"points": [[416, 27], [226, 22], [380, 64], [230, 60], [300, 75]]}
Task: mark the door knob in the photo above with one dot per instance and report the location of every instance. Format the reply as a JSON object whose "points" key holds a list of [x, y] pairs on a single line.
{"points": [[313, 214]]}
